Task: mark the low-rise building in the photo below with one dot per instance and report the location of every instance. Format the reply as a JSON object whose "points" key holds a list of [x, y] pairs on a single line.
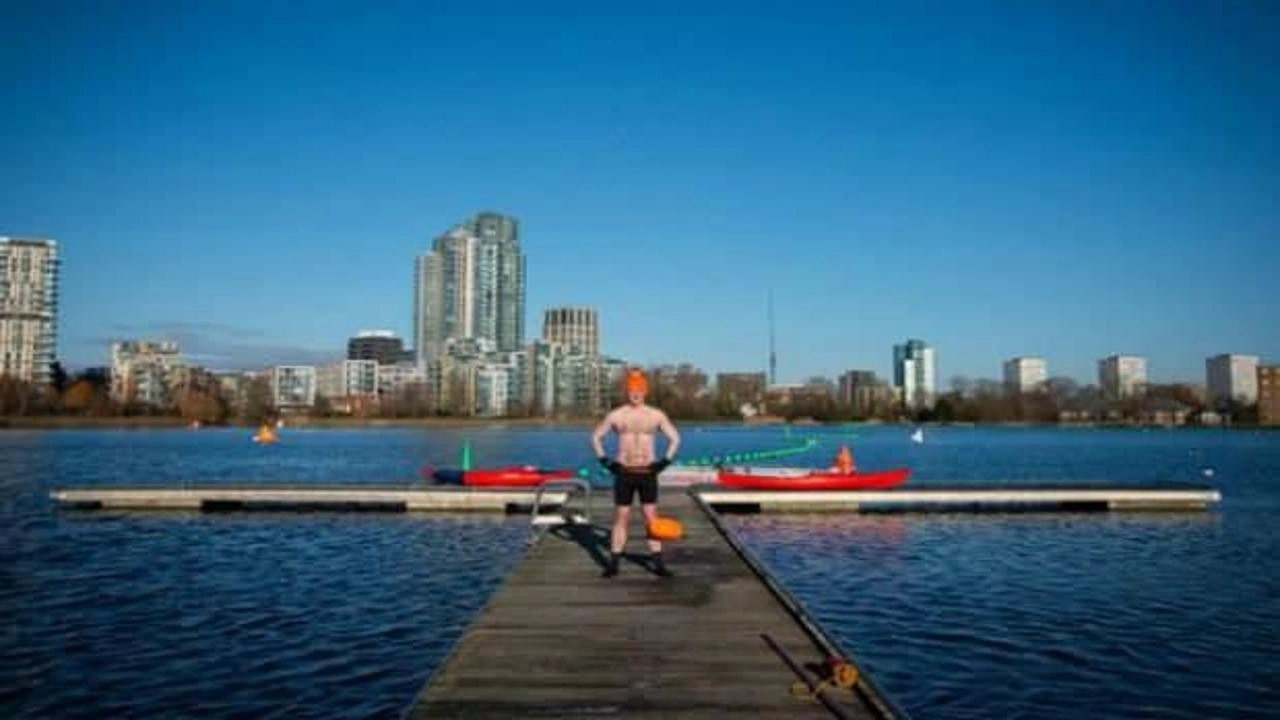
{"points": [[360, 377], [493, 382], [235, 388], [293, 386], [382, 346], [1122, 376], [145, 372], [1025, 374], [543, 379], [741, 388], [1165, 411], [866, 394], [399, 376], [1269, 394], [1232, 380]]}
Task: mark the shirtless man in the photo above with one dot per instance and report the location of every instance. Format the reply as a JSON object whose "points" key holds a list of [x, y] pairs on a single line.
{"points": [[635, 471]]}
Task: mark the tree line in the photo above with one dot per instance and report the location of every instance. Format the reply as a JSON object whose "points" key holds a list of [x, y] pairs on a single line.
{"points": [[88, 394], [683, 393]]}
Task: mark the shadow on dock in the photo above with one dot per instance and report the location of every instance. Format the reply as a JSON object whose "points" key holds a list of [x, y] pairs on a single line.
{"points": [[595, 541]]}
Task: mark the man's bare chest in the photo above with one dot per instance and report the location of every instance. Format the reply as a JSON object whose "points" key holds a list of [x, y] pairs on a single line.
{"points": [[639, 423]]}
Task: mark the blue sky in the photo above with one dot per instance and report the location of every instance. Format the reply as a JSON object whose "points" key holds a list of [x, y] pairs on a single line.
{"points": [[1069, 181]]}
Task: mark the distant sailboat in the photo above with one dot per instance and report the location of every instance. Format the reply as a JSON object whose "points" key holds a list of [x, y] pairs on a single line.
{"points": [[918, 435]]}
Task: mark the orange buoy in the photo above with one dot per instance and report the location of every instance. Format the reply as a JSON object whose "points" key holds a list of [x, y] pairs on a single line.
{"points": [[844, 461], [664, 528]]}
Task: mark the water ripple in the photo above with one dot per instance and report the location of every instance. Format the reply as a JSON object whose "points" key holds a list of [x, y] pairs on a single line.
{"points": [[329, 616], [1053, 616], [235, 616]]}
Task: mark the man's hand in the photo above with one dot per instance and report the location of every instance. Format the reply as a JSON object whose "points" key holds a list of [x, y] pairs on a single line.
{"points": [[658, 466], [610, 464]]}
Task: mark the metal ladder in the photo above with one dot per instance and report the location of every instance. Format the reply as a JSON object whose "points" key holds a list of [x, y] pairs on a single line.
{"points": [[566, 514]]}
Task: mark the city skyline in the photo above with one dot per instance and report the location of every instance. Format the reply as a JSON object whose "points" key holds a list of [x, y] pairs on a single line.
{"points": [[932, 385], [1114, 195]]}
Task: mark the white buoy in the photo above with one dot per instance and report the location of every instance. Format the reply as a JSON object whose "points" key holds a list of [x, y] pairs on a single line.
{"points": [[918, 435], [1207, 472]]}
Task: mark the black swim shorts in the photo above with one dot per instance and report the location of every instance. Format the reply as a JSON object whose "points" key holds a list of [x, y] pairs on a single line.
{"points": [[629, 482]]}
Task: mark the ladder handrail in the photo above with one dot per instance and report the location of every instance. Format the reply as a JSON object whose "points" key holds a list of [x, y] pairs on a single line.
{"points": [[574, 486]]}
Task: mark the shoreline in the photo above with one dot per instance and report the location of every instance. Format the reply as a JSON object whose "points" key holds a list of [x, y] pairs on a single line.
{"points": [[65, 422]]}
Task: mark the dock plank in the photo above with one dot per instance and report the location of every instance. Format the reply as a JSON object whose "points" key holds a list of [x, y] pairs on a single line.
{"points": [[558, 640]]}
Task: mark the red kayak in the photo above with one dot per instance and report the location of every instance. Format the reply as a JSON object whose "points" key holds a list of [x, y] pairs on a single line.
{"points": [[803, 479], [523, 476]]}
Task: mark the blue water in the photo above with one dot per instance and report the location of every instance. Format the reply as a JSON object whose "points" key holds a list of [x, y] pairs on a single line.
{"points": [[1055, 615], [327, 615]]}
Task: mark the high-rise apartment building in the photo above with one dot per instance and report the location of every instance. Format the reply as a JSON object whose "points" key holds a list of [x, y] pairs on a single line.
{"points": [[576, 328], [500, 280], [915, 374], [28, 307], [470, 285], [444, 293]]}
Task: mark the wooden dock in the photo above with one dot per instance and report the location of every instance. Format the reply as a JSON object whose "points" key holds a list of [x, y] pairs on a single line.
{"points": [[557, 640], [967, 499], [454, 499], [313, 497]]}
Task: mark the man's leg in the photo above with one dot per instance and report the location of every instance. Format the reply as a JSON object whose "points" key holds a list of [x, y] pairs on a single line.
{"points": [[621, 516], [649, 506], [618, 541], [622, 492], [651, 513]]}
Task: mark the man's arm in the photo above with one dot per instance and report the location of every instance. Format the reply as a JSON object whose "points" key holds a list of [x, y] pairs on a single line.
{"points": [[597, 436], [673, 437]]}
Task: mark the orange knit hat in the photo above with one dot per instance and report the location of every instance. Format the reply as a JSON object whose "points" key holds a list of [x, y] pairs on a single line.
{"points": [[636, 382]]}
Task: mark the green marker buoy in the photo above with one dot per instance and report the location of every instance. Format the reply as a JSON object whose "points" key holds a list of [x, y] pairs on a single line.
{"points": [[465, 460]]}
